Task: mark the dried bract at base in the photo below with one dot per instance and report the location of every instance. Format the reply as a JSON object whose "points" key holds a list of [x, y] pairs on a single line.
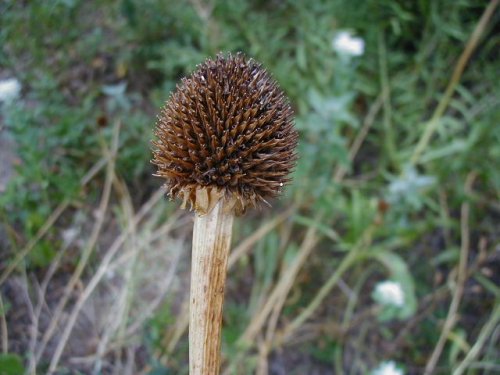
{"points": [[226, 132]]}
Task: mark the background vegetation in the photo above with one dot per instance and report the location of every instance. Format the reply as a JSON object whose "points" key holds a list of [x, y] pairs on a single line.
{"points": [[398, 179]]}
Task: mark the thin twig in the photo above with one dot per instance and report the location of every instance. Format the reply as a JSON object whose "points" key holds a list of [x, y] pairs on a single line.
{"points": [[179, 329], [280, 292], [75, 277], [263, 366], [104, 265], [360, 137], [121, 307], [21, 254], [41, 303], [452, 316], [31, 244], [245, 246], [272, 321], [389, 143], [96, 230], [346, 262], [480, 341], [5, 332], [125, 257], [282, 287], [163, 288], [473, 42]]}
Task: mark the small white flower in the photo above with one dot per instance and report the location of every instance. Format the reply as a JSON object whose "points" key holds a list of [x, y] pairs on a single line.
{"points": [[117, 90], [410, 182], [69, 235], [387, 368], [389, 293], [9, 89], [110, 274], [347, 44]]}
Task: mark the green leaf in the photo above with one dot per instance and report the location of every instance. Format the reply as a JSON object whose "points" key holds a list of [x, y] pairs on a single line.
{"points": [[301, 56], [11, 364], [322, 228]]}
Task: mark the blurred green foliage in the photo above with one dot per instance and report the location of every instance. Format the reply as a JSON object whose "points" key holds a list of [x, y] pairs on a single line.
{"points": [[11, 364]]}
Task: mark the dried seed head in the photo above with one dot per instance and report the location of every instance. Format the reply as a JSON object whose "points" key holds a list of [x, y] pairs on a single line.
{"points": [[227, 131]]}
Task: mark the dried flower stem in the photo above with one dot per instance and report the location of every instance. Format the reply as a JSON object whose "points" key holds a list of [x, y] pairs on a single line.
{"points": [[225, 141], [211, 243]]}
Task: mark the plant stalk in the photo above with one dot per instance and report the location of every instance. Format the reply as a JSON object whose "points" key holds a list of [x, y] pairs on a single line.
{"points": [[211, 243]]}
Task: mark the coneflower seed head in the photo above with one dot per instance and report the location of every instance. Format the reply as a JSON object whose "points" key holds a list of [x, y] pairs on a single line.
{"points": [[226, 132]]}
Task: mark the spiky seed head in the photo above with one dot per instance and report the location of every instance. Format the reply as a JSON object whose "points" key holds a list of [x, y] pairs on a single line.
{"points": [[226, 132]]}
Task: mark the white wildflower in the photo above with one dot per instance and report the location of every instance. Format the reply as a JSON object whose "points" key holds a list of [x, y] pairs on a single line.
{"points": [[117, 90], [117, 95], [69, 235], [409, 183], [347, 44], [387, 368], [9, 89], [389, 293], [110, 274]]}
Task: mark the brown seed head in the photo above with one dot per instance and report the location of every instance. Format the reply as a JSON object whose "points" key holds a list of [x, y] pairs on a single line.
{"points": [[226, 132]]}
